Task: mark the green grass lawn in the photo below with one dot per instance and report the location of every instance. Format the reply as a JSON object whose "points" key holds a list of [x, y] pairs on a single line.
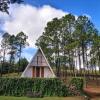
{"points": [[12, 75], [45, 98]]}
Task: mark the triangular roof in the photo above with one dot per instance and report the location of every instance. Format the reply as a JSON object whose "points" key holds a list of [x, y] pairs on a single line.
{"points": [[48, 65]]}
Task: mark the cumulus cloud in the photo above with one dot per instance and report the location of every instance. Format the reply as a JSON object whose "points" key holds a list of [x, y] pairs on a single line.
{"points": [[31, 20]]}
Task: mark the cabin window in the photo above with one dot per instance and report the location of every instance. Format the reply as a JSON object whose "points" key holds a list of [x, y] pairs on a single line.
{"points": [[39, 59]]}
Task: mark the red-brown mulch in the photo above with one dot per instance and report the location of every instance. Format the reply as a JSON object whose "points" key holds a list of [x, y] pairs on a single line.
{"points": [[92, 91]]}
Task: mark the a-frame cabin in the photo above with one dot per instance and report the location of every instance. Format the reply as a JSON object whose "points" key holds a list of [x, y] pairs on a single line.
{"points": [[38, 67]]}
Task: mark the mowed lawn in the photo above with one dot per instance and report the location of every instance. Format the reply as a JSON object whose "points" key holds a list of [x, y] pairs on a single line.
{"points": [[45, 98]]}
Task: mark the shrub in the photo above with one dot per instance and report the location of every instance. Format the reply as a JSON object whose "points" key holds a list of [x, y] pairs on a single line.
{"points": [[78, 83], [75, 87]]}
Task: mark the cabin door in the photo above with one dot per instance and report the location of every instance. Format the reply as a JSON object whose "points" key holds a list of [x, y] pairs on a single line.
{"points": [[42, 71], [33, 72], [37, 71]]}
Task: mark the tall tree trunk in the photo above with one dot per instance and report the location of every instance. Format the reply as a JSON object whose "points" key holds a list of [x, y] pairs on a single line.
{"points": [[79, 58], [87, 64], [84, 65], [70, 67], [73, 65], [99, 59], [76, 69], [19, 59], [83, 57], [64, 63], [4, 52], [57, 59]]}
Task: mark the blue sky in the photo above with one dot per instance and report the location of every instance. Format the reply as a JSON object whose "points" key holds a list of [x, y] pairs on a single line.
{"points": [[32, 16], [77, 7]]}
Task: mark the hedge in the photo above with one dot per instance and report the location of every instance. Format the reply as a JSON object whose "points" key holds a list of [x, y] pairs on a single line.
{"points": [[20, 86]]}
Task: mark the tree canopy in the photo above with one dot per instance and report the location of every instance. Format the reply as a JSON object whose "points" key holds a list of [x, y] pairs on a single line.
{"points": [[11, 50], [74, 43], [4, 4]]}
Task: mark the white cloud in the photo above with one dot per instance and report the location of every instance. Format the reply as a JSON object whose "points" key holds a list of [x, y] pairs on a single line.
{"points": [[30, 20]]}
